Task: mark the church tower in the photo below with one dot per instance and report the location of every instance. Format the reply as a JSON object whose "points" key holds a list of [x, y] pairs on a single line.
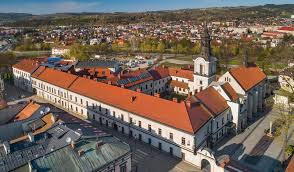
{"points": [[205, 64]]}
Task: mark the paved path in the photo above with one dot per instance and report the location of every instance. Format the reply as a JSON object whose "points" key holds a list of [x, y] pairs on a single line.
{"points": [[240, 146]]}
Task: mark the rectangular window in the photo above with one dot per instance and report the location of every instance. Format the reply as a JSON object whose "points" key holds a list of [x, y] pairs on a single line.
{"points": [[76, 99], [183, 141], [216, 124], [223, 121], [70, 97], [159, 131], [149, 127], [131, 120], [140, 125], [81, 101], [122, 117], [113, 113], [171, 136]]}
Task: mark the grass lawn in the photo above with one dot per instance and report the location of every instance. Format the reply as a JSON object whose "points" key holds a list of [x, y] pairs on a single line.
{"points": [[174, 65]]}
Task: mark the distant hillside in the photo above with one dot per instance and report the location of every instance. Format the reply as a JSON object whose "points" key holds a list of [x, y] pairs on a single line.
{"points": [[12, 17], [197, 15]]}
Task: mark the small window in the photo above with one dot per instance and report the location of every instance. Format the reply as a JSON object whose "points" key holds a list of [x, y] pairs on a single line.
{"points": [[131, 120], [159, 131], [183, 141], [122, 117], [149, 127], [140, 125], [171, 136]]}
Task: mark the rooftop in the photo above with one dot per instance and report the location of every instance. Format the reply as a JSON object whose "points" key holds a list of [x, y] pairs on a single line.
{"points": [[96, 64], [212, 100], [248, 77], [163, 111], [27, 65]]}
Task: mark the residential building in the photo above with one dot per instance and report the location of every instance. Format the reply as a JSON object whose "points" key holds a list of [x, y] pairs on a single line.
{"points": [[284, 96], [60, 51], [60, 148], [22, 73]]}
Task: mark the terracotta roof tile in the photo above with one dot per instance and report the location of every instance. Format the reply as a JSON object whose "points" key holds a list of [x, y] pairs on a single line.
{"points": [[212, 100], [27, 65], [58, 78], [181, 73], [167, 112], [159, 73], [27, 112], [164, 111], [230, 91], [179, 84], [248, 77]]}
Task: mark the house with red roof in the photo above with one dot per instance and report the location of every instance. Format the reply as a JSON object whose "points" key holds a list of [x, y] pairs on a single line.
{"points": [[22, 73], [286, 29], [249, 82]]}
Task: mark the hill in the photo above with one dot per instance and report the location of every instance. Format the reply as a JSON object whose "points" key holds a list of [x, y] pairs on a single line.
{"points": [[269, 11]]}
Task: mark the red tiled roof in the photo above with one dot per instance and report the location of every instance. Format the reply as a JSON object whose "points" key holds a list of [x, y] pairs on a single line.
{"points": [[179, 84], [167, 112], [198, 116], [212, 100], [181, 73], [27, 65], [58, 78], [248, 77], [290, 167], [159, 73], [27, 112], [230, 91], [286, 28]]}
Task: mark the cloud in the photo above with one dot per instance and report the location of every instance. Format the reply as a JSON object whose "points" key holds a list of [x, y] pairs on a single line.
{"points": [[52, 7]]}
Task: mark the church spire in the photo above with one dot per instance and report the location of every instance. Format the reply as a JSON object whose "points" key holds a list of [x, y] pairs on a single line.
{"points": [[205, 43]]}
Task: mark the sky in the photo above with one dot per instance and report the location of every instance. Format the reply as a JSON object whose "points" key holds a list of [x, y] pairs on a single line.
{"points": [[60, 6]]}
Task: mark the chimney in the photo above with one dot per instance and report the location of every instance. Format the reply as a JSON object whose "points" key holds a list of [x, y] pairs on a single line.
{"points": [[122, 86], [138, 90], [157, 95], [81, 152], [95, 79], [31, 137], [6, 147], [84, 76], [109, 82], [89, 77], [188, 103], [72, 144], [69, 72], [99, 144], [175, 100]]}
